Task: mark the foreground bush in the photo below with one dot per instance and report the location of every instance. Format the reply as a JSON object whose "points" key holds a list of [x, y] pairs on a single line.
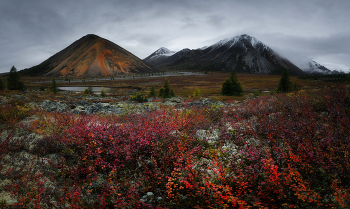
{"points": [[284, 151]]}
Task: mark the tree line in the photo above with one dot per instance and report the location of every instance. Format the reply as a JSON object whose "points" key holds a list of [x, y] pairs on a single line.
{"points": [[232, 87]]}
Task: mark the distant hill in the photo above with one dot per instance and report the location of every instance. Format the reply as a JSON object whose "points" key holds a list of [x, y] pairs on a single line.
{"points": [[315, 68], [244, 54], [91, 55]]}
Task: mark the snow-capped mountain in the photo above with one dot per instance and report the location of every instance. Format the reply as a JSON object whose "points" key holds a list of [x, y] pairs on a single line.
{"points": [[242, 53], [155, 58], [315, 68]]}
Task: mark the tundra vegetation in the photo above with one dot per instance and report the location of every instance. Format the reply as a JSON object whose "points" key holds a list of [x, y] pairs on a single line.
{"points": [[288, 150]]}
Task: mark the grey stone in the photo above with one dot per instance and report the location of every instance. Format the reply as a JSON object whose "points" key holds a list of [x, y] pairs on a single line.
{"points": [[3, 100]]}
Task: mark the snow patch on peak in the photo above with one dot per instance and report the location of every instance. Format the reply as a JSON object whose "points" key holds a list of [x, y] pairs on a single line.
{"points": [[254, 41], [203, 48], [164, 51], [229, 42], [225, 41]]}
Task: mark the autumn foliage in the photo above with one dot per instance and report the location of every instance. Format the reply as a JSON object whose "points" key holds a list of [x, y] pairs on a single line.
{"points": [[281, 151]]}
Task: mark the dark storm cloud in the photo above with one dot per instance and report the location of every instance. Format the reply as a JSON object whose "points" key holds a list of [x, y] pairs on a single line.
{"points": [[32, 31]]}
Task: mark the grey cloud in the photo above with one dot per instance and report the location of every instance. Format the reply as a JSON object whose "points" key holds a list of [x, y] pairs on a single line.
{"points": [[215, 20]]}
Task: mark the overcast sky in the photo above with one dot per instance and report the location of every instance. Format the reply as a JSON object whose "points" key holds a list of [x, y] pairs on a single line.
{"points": [[301, 30]]}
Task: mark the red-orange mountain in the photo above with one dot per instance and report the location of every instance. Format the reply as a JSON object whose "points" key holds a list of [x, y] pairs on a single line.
{"points": [[91, 55]]}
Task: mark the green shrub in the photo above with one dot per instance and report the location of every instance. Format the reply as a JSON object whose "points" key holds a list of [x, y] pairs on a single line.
{"points": [[86, 91], [196, 92], [256, 93], [103, 92], [90, 90], [42, 88], [138, 98]]}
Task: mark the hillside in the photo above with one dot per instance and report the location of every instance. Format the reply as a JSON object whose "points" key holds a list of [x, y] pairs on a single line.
{"points": [[91, 55]]}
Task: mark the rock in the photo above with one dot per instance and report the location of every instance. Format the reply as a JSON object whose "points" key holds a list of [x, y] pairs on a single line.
{"points": [[207, 135], [33, 139], [19, 97], [79, 110], [170, 103], [82, 103], [54, 106], [206, 102], [3, 100], [61, 107], [27, 141], [150, 194], [3, 135], [175, 100]]}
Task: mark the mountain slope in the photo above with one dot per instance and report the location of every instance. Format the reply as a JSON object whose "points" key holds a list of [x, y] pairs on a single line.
{"points": [[91, 55], [242, 53]]}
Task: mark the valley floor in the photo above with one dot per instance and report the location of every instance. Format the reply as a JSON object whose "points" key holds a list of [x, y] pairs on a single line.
{"points": [[84, 151]]}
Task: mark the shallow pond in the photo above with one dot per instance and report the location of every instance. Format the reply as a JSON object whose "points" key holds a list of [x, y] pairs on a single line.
{"points": [[96, 89]]}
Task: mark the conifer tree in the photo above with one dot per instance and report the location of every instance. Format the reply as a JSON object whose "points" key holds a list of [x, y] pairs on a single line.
{"points": [[231, 87], [2, 85], [166, 91], [161, 92], [14, 80], [166, 87], [295, 87], [285, 85], [237, 88], [152, 93], [172, 93], [53, 86], [227, 88]]}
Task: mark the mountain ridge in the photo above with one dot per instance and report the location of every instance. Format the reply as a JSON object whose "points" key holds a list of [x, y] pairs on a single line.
{"points": [[243, 53]]}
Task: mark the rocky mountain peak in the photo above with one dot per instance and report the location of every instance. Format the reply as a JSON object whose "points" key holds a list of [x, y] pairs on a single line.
{"points": [[164, 50]]}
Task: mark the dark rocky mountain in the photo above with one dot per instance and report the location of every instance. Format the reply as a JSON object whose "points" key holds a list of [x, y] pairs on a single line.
{"points": [[91, 55], [244, 54]]}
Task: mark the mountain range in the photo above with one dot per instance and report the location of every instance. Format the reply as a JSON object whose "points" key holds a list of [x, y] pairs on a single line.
{"points": [[91, 55], [243, 53]]}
